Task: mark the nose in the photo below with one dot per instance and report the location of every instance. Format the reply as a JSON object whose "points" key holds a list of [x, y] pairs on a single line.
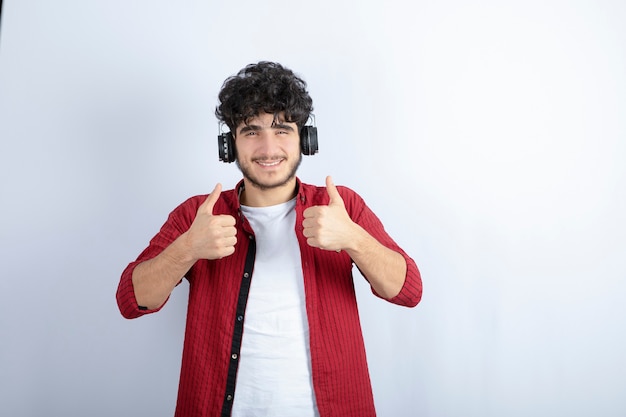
{"points": [[268, 142]]}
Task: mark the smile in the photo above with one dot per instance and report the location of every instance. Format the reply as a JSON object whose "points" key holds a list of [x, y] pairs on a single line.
{"points": [[269, 163]]}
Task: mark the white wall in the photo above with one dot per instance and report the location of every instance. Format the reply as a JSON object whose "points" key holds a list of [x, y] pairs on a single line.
{"points": [[489, 138]]}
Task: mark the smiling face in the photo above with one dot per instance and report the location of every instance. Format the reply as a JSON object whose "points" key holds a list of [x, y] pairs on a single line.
{"points": [[268, 155]]}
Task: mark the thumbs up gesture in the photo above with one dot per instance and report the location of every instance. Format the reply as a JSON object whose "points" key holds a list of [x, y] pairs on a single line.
{"points": [[329, 227], [211, 236]]}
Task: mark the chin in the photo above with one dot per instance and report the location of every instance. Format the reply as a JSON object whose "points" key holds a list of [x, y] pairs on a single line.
{"points": [[268, 185]]}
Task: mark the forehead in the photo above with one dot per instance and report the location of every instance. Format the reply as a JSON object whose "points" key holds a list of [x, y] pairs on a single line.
{"points": [[265, 120]]}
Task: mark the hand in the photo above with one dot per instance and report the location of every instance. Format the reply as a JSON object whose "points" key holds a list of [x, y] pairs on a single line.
{"points": [[211, 236], [329, 227]]}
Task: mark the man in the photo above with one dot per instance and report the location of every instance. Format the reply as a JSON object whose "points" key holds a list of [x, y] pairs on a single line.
{"points": [[272, 324]]}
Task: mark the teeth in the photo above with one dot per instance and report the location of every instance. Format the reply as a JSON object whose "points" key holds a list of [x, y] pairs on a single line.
{"points": [[268, 164]]}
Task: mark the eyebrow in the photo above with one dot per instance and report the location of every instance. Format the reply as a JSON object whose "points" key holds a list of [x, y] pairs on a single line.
{"points": [[275, 126]]}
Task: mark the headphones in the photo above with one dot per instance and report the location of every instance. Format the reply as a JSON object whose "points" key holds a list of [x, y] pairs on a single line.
{"points": [[226, 143]]}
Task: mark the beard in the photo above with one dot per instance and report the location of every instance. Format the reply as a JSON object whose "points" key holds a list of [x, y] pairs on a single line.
{"points": [[275, 182]]}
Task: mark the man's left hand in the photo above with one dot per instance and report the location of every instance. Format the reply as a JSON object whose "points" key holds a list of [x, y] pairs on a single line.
{"points": [[329, 227]]}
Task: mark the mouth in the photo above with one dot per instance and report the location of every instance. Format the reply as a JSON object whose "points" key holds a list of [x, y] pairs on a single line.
{"points": [[269, 163]]}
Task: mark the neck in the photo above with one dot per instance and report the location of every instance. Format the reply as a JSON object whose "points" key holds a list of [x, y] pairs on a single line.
{"points": [[254, 196]]}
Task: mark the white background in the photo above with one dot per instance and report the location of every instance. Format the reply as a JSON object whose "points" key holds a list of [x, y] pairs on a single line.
{"points": [[489, 136]]}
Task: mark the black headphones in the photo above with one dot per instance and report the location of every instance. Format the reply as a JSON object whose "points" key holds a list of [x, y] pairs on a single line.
{"points": [[308, 144]]}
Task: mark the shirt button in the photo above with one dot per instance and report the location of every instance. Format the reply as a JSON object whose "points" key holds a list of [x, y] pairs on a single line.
{"points": [[246, 275], [239, 318], [234, 356], [229, 397]]}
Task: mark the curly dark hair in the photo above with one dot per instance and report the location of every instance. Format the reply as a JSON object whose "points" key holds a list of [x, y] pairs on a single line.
{"points": [[264, 87]]}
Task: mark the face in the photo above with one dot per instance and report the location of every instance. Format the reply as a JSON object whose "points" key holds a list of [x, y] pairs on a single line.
{"points": [[268, 151]]}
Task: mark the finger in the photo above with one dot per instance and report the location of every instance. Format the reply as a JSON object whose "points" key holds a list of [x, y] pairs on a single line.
{"points": [[335, 198], [312, 242], [310, 212], [212, 198], [225, 220], [309, 228], [230, 241]]}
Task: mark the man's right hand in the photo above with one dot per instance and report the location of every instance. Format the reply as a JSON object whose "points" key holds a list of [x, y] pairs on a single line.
{"points": [[211, 236]]}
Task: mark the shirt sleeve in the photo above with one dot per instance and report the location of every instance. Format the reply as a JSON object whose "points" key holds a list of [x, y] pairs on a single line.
{"points": [[177, 223], [411, 292]]}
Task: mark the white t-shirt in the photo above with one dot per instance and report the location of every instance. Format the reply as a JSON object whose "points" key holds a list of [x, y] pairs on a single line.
{"points": [[274, 375]]}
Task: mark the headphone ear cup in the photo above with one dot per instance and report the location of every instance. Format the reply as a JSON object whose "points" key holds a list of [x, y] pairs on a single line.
{"points": [[226, 147], [308, 140]]}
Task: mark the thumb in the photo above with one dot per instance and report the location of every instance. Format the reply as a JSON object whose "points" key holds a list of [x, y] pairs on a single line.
{"points": [[335, 198], [212, 198]]}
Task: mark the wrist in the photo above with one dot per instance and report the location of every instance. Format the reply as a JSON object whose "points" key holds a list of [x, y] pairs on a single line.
{"points": [[180, 252], [358, 241]]}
